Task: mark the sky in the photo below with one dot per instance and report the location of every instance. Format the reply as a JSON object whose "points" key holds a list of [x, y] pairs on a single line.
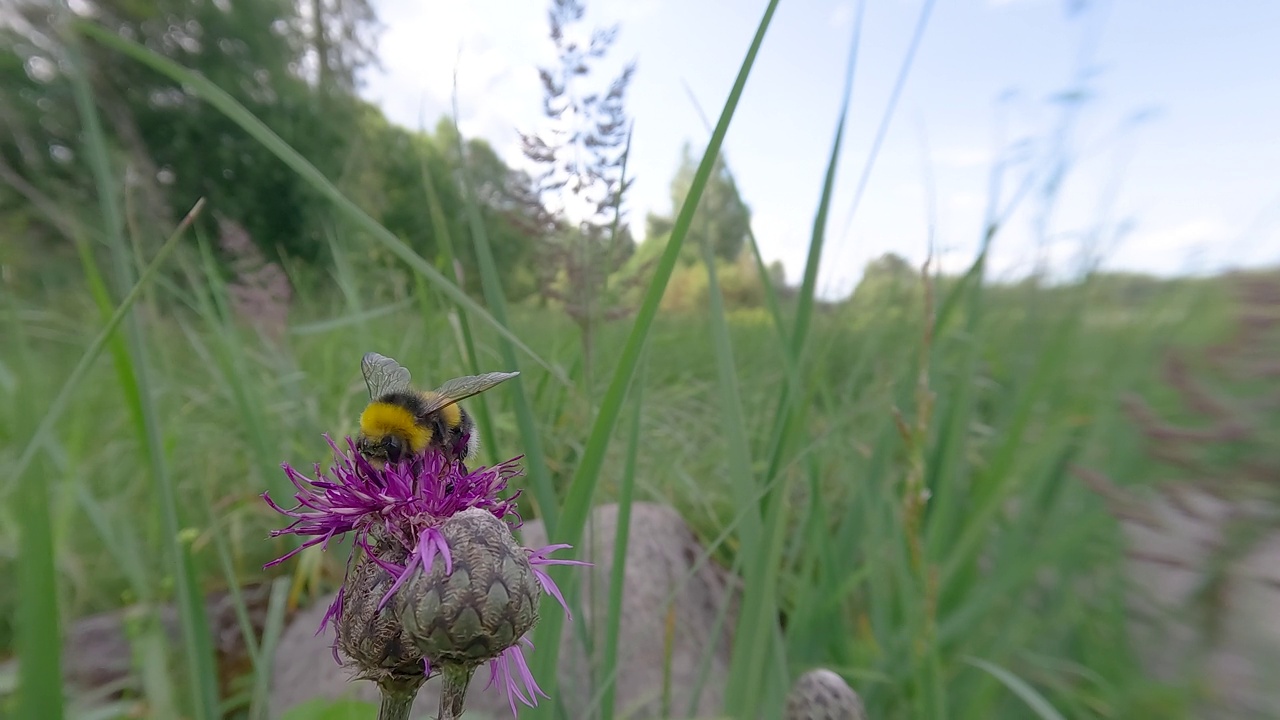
{"points": [[1167, 161]]}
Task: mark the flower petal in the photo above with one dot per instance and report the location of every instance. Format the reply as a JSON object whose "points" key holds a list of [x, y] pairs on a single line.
{"points": [[510, 673]]}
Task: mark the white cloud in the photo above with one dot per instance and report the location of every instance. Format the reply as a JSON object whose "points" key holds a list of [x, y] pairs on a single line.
{"points": [[962, 158], [629, 11], [780, 239], [965, 201], [424, 44], [841, 16], [1194, 246]]}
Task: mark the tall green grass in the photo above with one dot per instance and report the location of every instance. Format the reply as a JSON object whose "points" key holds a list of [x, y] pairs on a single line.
{"points": [[890, 482]]}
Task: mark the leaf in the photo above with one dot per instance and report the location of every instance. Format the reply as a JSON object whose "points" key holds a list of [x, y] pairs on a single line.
{"points": [[1020, 687]]}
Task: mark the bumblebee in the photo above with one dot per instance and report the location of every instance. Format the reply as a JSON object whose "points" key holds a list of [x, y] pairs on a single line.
{"points": [[400, 421]]}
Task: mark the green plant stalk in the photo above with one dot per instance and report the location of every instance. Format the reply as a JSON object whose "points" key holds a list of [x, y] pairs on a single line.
{"points": [[198, 644], [789, 401], [588, 370], [622, 535], [218, 535], [770, 292], [39, 640], [119, 353], [470, 359], [1034, 700], [900, 82], [347, 285], [997, 481], [454, 680], [236, 112], [397, 705], [147, 636], [760, 610], [544, 491], [577, 502], [760, 600], [265, 654], [198, 640], [788, 417], [151, 646], [915, 436], [255, 426], [948, 452]]}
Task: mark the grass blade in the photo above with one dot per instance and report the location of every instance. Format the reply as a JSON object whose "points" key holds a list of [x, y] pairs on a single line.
{"points": [[197, 642], [748, 666], [577, 502], [535, 463], [609, 660], [1033, 699], [39, 640], [746, 673], [59, 405], [467, 339], [271, 630], [236, 112]]}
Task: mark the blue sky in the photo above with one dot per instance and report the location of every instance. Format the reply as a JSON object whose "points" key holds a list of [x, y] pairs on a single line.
{"points": [[1195, 185]]}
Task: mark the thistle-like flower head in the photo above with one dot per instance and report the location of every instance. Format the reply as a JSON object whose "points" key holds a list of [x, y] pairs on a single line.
{"points": [[436, 580]]}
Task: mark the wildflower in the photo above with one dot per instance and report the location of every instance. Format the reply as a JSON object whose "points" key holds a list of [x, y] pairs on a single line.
{"points": [[436, 584]]}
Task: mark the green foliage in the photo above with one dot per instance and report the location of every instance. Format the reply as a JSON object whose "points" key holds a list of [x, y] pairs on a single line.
{"points": [[723, 220], [741, 285], [843, 615], [388, 180], [889, 475], [179, 148], [332, 710], [888, 292]]}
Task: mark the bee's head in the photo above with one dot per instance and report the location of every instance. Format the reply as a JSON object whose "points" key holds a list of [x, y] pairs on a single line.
{"points": [[388, 448]]}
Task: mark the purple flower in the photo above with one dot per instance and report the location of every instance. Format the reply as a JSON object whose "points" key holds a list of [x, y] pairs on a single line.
{"points": [[404, 504], [509, 672], [539, 557]]}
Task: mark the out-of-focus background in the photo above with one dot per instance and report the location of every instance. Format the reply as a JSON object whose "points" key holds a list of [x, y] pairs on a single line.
{"points": [[947, 331]]}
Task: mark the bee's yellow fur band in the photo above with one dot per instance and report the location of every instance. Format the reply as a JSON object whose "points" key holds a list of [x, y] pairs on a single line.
{"points": [[380, 419], [452, 414]]}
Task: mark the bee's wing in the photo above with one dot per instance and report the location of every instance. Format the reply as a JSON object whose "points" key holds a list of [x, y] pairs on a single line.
{"points": [[463, 388], [383, 375]]}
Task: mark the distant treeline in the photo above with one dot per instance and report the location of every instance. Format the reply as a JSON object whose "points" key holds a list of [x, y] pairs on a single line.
{"points": [[297, 67]]}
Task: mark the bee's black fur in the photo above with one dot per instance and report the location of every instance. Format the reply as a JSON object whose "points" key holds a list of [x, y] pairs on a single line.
{"points": [[450, 439]]}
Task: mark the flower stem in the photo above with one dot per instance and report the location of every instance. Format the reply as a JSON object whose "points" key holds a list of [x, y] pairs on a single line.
{"points": [[397, 701], [453, 690]]}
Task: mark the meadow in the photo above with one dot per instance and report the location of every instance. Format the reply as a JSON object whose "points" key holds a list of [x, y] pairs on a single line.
{"points": [[1025, 384], [892, 475]]}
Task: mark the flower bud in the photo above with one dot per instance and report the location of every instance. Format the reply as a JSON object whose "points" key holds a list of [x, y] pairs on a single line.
{"points": [[823, 695], [372, 638], [470, 613]]}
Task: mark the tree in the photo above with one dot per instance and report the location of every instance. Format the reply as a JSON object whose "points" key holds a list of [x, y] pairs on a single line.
{"points": [[582, 155], [342, 42], [401, 163], [890, 290], [722, 219], [176, 146]]}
